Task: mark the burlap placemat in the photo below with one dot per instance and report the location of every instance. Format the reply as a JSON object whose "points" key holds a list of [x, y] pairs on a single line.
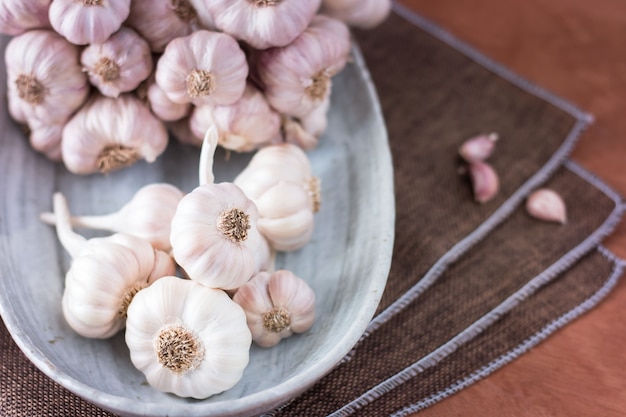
{"points": [[454, 260]]}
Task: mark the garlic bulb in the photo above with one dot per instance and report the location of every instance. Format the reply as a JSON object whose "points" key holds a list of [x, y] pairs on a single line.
{"points": [[214, 232], [276, 305], [85, 22], [119, 64], [364, 14], [278, 179], [47, 83], [243, 126], [104, 276], [263, 23], [18, 16], [205, 18], [181, 131], [296, 78], [306, 131], [485, 181], [478, 148], [160, 21], [46, 138], [187, 339], [109, 134], [546, 204], [203, 68], [147, 215], [164, 108]]}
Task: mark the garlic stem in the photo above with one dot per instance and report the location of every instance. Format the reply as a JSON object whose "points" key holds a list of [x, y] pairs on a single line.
{"points": [[207, 152], [71, 241], [103, 222]]}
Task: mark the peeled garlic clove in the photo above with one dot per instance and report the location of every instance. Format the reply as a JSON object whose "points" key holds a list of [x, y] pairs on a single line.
{"points": [[147, 215], [296, 78], [262, 24], [161, 21], [104, 276], [47, 83], [364, 14], [546, 204], [187, 339], [203, 68], [478, 148], [484, 181], [18, 16], [243, 126], [119, 64], [276, 305], [85, 22], [107, 134]]}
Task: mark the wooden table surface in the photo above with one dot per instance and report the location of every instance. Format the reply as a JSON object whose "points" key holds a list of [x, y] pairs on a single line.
{"points": [[577, 50]]}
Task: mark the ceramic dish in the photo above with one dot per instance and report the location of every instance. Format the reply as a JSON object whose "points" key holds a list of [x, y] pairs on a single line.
{"points": [[346, 263]]}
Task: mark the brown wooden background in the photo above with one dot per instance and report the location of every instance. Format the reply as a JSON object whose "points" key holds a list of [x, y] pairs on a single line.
{"points": [[577, 50]]}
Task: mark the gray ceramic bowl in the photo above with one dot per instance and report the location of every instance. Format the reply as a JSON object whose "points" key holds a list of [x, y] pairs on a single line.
{"points": [[346, 263]]}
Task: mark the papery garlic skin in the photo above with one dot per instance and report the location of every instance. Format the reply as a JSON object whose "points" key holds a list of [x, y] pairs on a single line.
{"points": [[164, 108], [215, 238], [546, 204], [187, 339], [364, 14], [203, 68], [85, 22], [109, 134], [18, 16], [276, 305], [263, 24], [246, 125], [47, 83], [296, 78], [119, 64], [161, 21]]}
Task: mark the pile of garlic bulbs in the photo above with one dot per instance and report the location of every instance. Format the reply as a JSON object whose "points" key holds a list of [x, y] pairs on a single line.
{"points": [[189, 277], [98, 83]]}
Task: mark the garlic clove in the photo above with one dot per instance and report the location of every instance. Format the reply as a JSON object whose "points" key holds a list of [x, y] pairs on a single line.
{"points": [[85, 22], [478, 148], [276, 305], [485, 181], [164, 108], [262, 24], [18, 16], [364, 14], [46, 138], [546, 204], [119, 64], [187, 339]]}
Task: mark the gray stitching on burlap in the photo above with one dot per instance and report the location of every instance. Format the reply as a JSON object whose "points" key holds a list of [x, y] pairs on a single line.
{"points": [[530, 288], [591, 302]]}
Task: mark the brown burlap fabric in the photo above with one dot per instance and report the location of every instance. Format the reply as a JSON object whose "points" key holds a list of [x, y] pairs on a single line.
{"points": [[433, 97]]}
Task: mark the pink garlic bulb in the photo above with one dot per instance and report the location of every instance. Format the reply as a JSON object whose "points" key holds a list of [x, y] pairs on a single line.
{"points": [[47, 83], [18, 16], [203, 68], [296, 78], [164, 108], [85, 22], [46, 138], [118, 65], [243, 126], [263, 23], [107, 134], [160, 21], [364, 14], [181, 131]]}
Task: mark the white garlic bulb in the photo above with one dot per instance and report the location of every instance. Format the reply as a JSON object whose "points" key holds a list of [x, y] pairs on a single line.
{"points": [[18, 16], [205, 18], [263, 23], [119, 64], [296, 78], [147, 215], [364, 14], [85, 22], [203, 68], [243, 126], [47, 83], [104, 276], [108, 134], [277, 305], [187, 339], [278, 179], [164, 108], [160, 21]]}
